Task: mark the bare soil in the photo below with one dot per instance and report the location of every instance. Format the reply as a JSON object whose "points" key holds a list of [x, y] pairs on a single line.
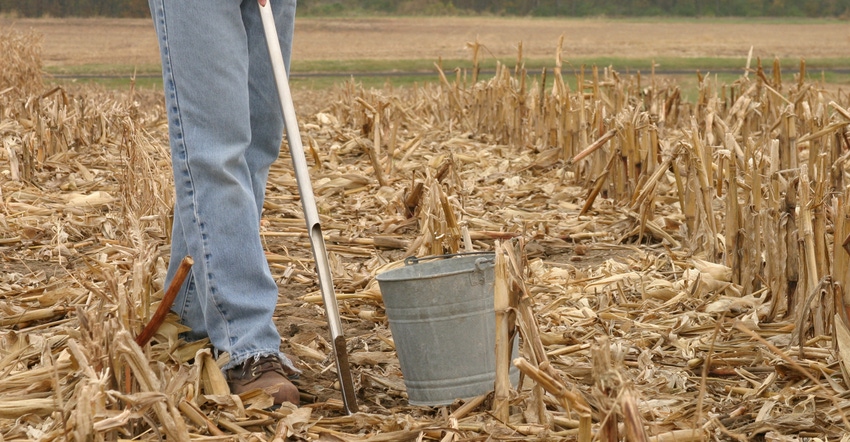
{"points": [[68, 42]]}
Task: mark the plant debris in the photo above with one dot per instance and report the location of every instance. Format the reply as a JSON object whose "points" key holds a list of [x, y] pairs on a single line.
{"points": [[676, 270]]}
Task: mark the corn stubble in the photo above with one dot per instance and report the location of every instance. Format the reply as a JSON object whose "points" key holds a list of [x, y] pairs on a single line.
{"points": [[676, 270]]}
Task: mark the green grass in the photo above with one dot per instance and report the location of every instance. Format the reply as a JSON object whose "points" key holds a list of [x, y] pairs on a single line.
{"points": [[103, 69], [114, 83], [704, 64], [318, 75], [110, 76]]}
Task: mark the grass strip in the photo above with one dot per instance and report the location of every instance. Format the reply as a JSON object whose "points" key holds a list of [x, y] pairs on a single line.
{"points": [[322, 74]]}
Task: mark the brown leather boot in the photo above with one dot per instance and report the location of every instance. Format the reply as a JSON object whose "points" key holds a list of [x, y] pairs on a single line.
{"points": [[266, 373]]}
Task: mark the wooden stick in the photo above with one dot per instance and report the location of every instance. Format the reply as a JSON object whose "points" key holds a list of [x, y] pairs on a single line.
{"points": [[167, 300]]}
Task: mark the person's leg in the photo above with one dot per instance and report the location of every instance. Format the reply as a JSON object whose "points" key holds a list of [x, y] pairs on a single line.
{"points": [[206, 74], [266, 132]]}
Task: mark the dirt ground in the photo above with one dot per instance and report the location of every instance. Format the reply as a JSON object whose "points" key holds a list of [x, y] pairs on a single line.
{"points": [[132, 41]]}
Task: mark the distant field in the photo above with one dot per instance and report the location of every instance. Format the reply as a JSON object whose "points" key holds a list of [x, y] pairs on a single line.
{"points": [[119, 46]]}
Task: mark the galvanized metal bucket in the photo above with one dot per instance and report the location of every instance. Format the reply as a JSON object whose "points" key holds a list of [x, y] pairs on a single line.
{"points": [[442, 320]]}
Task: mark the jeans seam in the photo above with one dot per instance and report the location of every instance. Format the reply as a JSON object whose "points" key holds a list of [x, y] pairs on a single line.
{"points": [[181, 145]]}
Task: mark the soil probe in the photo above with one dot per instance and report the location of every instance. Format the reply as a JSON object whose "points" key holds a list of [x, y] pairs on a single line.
{"points": [[308, 203]]}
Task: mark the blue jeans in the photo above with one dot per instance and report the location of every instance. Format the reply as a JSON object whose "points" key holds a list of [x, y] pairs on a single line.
{"points": [[225, 128]]}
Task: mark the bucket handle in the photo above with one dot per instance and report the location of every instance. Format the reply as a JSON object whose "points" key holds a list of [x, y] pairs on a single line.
{"points": [[479, 263], [410, 260]]}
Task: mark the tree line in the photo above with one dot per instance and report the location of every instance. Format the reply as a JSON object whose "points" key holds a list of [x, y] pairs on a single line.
{"points": [[611, 8], [633, 8], [75, 8], [543, 8]]}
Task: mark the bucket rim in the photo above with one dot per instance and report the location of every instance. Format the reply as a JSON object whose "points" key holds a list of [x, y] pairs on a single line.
{"points": [[411, 260], [391, 275]]}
